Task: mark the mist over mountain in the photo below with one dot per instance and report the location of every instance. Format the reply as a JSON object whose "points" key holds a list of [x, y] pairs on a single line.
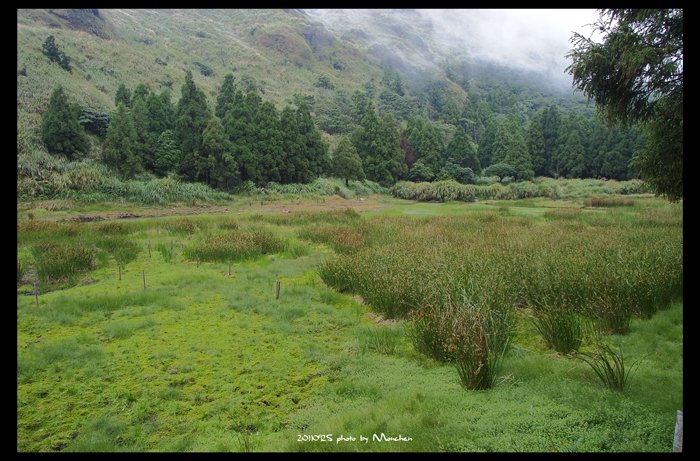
{"points": [[534, 41]]}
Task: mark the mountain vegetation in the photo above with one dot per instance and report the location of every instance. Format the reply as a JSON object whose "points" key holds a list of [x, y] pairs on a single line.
{"points": [[233, 97]]}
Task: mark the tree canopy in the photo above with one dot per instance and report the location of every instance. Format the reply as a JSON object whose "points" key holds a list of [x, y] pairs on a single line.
{"points": [[636, 75]]}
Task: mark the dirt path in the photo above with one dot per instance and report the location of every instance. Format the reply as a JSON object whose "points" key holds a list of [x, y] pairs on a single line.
{"points": [[243, 205]]}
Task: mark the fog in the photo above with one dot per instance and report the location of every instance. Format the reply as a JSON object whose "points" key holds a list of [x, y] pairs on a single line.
{"points": [[530, 39]]}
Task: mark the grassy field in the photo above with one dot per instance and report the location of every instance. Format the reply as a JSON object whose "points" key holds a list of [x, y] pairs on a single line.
{"points": [[206, 359]]}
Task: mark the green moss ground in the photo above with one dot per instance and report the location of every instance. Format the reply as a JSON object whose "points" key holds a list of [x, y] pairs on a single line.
{"points": [[204, 361]]}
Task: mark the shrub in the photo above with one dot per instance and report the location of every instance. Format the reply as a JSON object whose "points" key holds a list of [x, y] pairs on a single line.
{"points": [[560, 328], [56, 260], [502, 170], [235, 246], [473, 334], [609, 366]]}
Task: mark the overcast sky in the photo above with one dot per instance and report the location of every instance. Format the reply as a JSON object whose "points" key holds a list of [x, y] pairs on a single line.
{"points": [[533, 39]]}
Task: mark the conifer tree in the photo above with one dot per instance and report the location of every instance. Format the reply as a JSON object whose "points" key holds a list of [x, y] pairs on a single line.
{"points": [[346, 163], [61, 132], [191, 119], [121, 144]]}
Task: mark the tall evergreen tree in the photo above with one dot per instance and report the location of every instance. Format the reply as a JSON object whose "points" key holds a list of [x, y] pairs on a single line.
{"points": [[461, 151], [519, 158], [216, 165], [167, 153], [227, 96], [551, 123], [377, 141], [123, 96], [191, 119], [536, 144], [120, 150], [61, 132], [426, 142], [346, 163], [485, 149], [268, 142]]}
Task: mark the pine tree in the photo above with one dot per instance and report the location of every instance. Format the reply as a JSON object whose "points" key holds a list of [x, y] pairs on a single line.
{"points": [[120, 144], [519, 158], [191, 120], [426, 142], [346, 163], [485, 150], [268, 142], [61, 132], [216, 166], [551, 124], [227, 96], [144, 142], [123, 96], [54, 53], [167, 153], [536, 144], [461, 151], [377, 141]]}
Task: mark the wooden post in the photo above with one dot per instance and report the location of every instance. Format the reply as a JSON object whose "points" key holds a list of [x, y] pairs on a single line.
{"points": [[143, 273], [277, 289], [149, 248], [119, 267], [678, 433], [36, 293], [229, 268]]}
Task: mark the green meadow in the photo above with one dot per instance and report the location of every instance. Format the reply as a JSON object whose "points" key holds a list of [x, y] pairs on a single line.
{"points": [[448, 326]]}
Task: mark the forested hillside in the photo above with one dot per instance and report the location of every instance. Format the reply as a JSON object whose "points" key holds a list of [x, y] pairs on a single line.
{"points": [[240, 98]]}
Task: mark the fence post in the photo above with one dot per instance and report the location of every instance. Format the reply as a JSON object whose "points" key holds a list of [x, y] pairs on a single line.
{"points": [[678, 433], [277, 289], [119, 267], [149, 248], [36, 293], [143, 273]]}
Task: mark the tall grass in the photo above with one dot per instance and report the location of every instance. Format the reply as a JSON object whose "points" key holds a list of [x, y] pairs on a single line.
{"points": [[472, 333], [569, 273], [234, 246], [609, 366], [56, 261], [442, 191]]}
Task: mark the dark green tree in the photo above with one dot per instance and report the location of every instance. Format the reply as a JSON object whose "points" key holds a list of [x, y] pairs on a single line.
{"points": [[461, 151], [167, 153], [460, 174], [216, 165], [486, 145], [61, 131], [426, 142], [140, 92], [120, 150], [420, 172], [346, 163], [377, 140], [192, 117], [502, 170], [636, 75], [536, 144], [54, 53], [123, 96], [227, 96]]}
